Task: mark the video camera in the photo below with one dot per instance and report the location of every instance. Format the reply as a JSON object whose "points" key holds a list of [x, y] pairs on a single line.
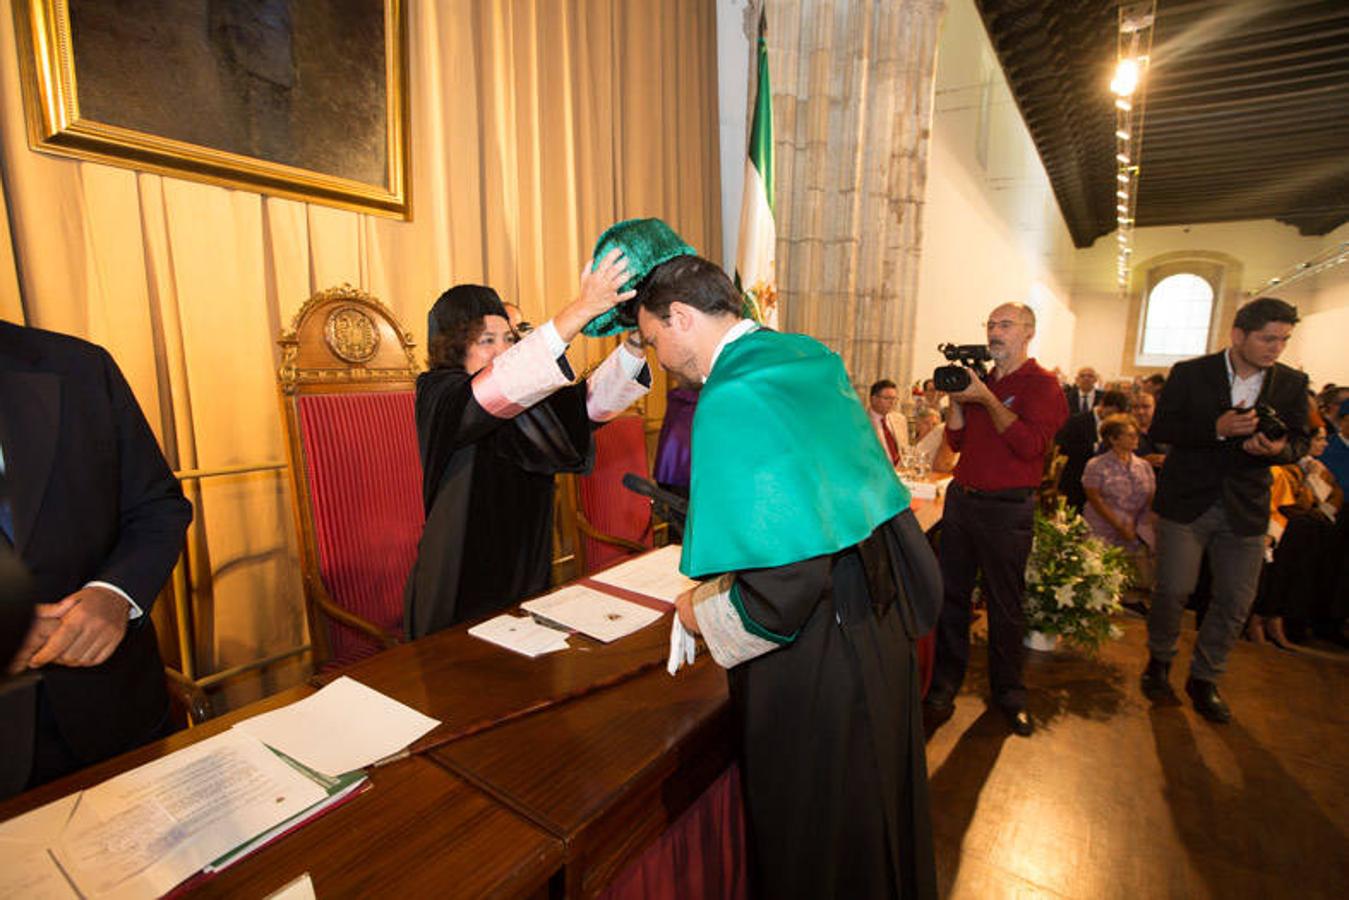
{"points": [[970, 357]]}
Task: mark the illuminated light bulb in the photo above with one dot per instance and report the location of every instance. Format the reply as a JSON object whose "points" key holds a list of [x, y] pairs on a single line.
{"points": [[1122, 157], [1122, 177], [1125, 81], [1123, 195], [1123, 105], [1122, 208], [1122, 134]]}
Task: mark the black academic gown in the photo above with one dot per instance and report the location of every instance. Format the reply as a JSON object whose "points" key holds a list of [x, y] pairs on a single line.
{"points": [[488, 490], [831, 728]]}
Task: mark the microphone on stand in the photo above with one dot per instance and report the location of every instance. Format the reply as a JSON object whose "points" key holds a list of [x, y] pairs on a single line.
{"points": [[668, 505]]}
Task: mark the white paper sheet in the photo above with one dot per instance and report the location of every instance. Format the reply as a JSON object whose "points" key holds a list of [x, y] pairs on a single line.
{"points": [[520, 634], [592, 612], [345, 726], [654, 574], [927, 489], [301, 888], [141, 833]]}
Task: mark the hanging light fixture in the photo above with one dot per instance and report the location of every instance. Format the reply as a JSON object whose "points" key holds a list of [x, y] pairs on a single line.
{"points": [[1133, 48]]}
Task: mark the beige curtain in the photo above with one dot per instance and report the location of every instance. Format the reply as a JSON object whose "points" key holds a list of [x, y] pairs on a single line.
{"points": [[534, 126], [852, 107]]}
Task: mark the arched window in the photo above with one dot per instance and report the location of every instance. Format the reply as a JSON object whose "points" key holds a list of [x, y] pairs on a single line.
{"points": [[1176, 319]]}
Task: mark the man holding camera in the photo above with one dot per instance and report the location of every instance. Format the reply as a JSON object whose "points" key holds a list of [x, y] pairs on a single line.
{"points": [[1228, 417], [1002, 428]]}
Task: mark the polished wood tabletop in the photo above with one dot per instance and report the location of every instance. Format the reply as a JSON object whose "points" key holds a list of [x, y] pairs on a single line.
{"points": [[607, 774], [417, 828], [471, 685]]}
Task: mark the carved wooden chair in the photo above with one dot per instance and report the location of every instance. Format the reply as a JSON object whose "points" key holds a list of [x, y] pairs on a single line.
{"points": [[347, 378], [613, 521]]}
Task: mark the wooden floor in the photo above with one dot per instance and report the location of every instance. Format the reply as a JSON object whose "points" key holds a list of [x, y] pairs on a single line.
{"points": [[1113, 797]]}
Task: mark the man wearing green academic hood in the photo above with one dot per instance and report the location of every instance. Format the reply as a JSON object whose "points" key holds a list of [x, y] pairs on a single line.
{"points": [[818, 580]]}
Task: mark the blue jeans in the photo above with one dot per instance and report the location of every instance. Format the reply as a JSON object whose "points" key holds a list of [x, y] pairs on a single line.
{"points": [[1235, 560]]}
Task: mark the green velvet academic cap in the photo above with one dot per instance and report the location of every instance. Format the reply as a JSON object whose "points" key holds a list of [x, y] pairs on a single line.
{"points": [[646, 243]]}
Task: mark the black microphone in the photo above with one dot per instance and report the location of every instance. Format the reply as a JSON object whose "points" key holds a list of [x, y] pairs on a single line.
{"points": [[676, 507]]}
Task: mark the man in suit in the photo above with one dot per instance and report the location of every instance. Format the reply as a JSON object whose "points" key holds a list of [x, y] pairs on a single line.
{"points": [[97, 518], [891, 428], [1080, 438], [1213, 492], [1082, 395]]}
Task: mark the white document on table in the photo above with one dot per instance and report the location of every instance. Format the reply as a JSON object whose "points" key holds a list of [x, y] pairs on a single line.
{"points": [[143, 832], [592, 612], [654, 574], [343, 727], [521, 634], [927, 490]]}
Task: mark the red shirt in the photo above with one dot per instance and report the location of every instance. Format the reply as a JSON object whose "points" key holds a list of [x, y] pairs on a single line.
{"points": [[1014, 459]]}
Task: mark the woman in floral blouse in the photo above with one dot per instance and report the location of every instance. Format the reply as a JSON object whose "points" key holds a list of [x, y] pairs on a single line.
{"points": [[1119, 488]]}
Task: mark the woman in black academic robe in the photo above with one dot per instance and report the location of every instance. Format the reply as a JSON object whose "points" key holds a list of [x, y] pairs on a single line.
{"points": [[494, 428]]}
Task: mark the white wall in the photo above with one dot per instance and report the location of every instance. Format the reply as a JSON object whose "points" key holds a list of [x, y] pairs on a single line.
{"points": [[1320, 344], [992, 231]]}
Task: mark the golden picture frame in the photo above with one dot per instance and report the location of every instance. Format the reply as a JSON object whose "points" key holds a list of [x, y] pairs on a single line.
{"points": [[282, 98]]}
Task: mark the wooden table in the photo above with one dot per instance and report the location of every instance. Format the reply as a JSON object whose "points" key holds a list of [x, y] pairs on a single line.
{"points": [[608, 774], [419, 829], [544, 774]]}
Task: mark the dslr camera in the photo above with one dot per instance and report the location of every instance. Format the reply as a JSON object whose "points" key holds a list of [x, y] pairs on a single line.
{"points": [[1268, 423], [968, 357]]}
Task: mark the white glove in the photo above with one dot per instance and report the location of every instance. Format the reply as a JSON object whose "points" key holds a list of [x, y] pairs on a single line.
{"points": [[682, 646]]}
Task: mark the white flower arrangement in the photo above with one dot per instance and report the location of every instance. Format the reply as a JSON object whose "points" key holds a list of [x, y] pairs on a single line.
{"points": [[1073, 580]]}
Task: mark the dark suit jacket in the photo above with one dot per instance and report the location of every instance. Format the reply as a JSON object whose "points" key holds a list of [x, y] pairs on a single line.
{"points": [[1075, 399], [1077, 440], [1200, 470], [92, 500]]}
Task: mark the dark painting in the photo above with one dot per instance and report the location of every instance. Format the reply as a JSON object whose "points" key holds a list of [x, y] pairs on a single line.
{"points": [[315, 86]]}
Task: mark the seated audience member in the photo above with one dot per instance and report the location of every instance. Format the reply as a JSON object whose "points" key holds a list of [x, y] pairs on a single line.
{"points": [[1335, 456], [515, 317], [497, 418], [1298, 580], [1079, 440], [1142, 407], [932, 449], [933, 399], [1153, 384], [1083, 394], [1328, 403], [1118, 486], [96, 517], [891, 428]]}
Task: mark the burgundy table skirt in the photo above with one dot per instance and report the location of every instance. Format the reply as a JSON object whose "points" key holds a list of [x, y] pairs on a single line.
{"points": [[702, 855]]}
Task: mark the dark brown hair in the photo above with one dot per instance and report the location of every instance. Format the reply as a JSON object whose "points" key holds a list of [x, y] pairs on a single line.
{"points": [[448, 348]]}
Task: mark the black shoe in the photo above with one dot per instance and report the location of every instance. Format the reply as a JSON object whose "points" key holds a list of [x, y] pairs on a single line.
{"points": [[1207, 701], [1155, 681], [937, 709], [1137, 607], [1020, 722]]}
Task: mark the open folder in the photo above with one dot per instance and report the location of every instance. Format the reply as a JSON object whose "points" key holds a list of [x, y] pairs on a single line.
{"points": [[208, 805]]}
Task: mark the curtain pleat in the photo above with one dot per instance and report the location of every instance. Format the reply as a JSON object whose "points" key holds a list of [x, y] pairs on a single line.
{"points": [[533, 127]]}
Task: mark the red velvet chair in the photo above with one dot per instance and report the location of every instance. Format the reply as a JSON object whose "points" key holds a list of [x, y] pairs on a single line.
{"points": [[614, 522], [347, 378]]}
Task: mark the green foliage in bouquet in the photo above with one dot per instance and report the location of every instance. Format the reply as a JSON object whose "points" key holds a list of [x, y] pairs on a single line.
{"points": [[1073, 580]]}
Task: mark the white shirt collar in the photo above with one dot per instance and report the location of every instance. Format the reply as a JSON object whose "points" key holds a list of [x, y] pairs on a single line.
{"points": [[1245, 391], [736, 331]]}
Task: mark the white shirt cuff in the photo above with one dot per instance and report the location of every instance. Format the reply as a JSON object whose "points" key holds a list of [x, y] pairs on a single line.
{"points": [[631, 362], [134, 612], [556, 345]]}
